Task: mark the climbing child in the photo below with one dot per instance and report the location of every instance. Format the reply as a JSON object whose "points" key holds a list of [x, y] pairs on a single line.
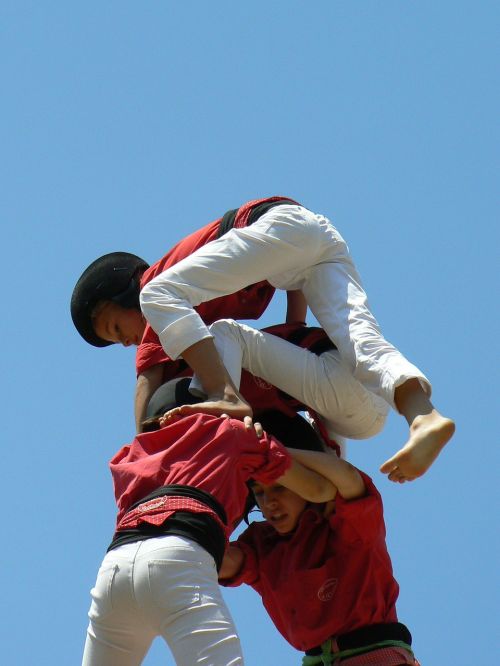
{"points": [[294, 249]]}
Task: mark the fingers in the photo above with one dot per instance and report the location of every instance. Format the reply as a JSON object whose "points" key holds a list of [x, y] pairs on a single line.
{"points": [[250, 425], [188, 409]]}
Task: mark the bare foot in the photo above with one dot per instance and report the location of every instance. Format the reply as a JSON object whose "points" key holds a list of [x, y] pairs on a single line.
{"points": [[428, 435], [232, 408]]}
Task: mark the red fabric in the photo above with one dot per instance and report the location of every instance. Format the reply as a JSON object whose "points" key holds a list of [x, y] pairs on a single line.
{"points": [[327, 578], [217, 455], [248, 303]]}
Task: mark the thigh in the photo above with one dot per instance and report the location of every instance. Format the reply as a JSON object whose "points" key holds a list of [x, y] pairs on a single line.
{"points": [[324, 383], [185, 600], [286, 239], [117, 634], [204, 632]]}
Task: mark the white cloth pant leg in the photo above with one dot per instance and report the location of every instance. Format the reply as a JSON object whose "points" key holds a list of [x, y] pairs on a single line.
{"points": [[292, 248], [324, 383], [166, 586]]}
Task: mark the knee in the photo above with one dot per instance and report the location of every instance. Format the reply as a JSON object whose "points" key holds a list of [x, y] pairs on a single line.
{"points": [[222, 326]]}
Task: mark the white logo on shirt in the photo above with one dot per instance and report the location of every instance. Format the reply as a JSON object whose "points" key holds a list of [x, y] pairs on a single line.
{"points": [[327, 590]]}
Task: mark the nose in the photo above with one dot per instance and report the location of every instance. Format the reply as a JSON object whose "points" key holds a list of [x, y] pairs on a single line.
{"points": [[126, 343], [270, 502]]}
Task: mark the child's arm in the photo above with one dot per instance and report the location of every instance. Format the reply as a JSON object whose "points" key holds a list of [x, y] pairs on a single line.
{"points": [[232, 562], [147, 383], [344, 477], [296, 310], [312, 485]]}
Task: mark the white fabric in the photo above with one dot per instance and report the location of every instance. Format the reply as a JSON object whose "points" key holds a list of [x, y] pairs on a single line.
{"points": [[166, 586], [292, 248], [323, 383]]}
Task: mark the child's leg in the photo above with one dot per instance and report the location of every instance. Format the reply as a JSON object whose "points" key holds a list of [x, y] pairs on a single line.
{"points": [[117, 634], [176, 582], [337, 299], [323, 383], [429, 432]]}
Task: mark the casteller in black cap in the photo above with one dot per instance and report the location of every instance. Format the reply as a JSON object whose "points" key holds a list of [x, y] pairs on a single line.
{"points": [[113, 277]]}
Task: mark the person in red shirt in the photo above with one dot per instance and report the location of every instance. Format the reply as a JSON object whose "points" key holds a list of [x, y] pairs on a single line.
{"points": [[323, 570], [105, 300], [180, 491]]}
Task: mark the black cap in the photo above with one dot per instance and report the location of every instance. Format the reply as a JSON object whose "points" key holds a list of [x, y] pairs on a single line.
{"points": [[294, 432], [112, 277], [169, 395]]}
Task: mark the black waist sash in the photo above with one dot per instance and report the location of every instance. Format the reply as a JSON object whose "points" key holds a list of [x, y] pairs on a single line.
{"points": [[372, 633], [199, 527], [227, 220]]}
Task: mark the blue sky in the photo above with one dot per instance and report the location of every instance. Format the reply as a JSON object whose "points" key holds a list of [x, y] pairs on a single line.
{"points": [[125, 126]]}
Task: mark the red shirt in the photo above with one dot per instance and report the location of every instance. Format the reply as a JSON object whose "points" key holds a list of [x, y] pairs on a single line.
{"points": [[328, 577], [217, 455], [248, 303]]}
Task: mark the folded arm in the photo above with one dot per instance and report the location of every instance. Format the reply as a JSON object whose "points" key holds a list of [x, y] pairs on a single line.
{"points": [[343, 476]]}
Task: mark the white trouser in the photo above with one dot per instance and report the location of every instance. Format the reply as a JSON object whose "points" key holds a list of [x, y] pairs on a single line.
{"points": [[323, 383], [166, 586], [292, 248]]}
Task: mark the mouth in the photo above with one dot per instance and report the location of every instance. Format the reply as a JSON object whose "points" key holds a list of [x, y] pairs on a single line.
{"points": [[277, 517]]}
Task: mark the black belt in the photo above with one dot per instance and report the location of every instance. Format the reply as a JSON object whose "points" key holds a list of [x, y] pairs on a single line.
{"points": [[372, 633], [227, 220]]}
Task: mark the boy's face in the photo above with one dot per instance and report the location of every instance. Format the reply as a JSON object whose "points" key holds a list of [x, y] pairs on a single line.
{"points": [[280, 507], [115, 323]]}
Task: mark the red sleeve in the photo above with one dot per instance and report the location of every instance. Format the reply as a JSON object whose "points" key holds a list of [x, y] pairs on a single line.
{"points": [[276, 461], [362, 518], [149, 354]]}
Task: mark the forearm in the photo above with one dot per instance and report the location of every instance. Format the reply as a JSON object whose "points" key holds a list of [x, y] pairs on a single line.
{"points": [[296, 310], [147, 383], [341, 474], [308, 483], [232, 562]]}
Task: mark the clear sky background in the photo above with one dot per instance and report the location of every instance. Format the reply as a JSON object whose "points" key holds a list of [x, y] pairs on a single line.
{"points": [[126, 126]]}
